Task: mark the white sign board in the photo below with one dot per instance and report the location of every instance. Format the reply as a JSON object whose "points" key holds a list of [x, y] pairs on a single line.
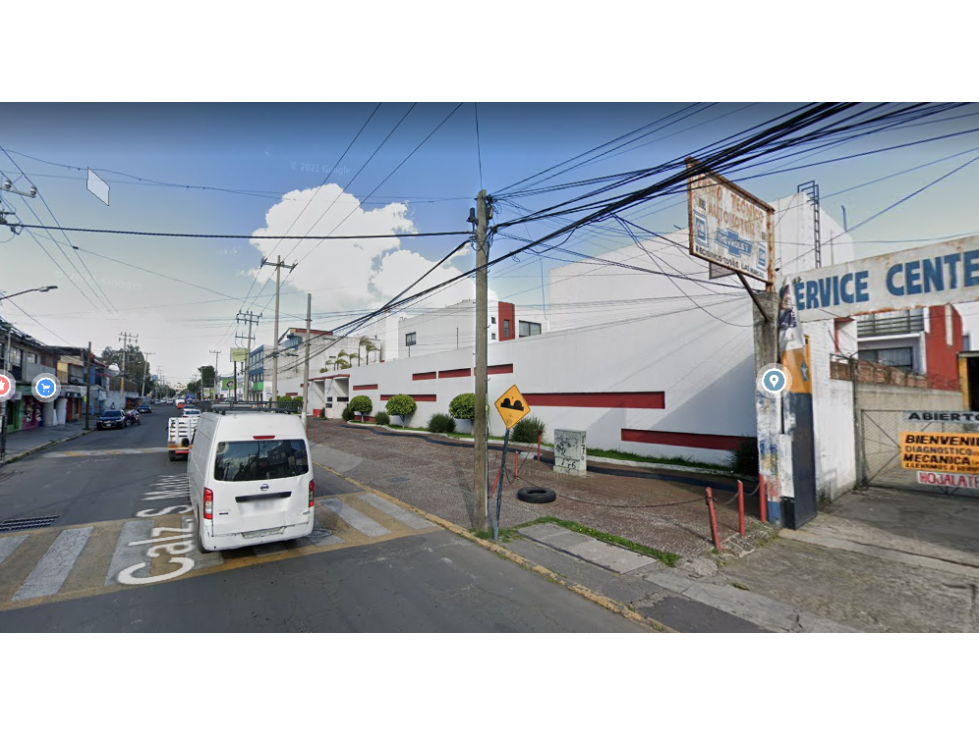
{"points": [[941, 416], [239, 354], [729, 226], [946, 272], [936, 479], [570, 455]]}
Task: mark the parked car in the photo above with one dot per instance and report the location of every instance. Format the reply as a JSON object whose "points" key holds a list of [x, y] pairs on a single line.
{"points": [[191, 411], [144, 409], [111, 419]]}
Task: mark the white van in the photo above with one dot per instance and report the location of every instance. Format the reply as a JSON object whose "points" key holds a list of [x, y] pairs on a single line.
{"points": [[251, 480]]}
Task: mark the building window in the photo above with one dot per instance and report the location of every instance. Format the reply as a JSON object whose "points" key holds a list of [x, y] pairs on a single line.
{"points": [[410, 339], [31, 358], [902, 357], [493, 320], [528, 328], [493, 336], [506, 328]]}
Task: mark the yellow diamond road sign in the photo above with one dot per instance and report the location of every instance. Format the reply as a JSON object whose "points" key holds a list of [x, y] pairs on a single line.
{"points": [[512, 407]]}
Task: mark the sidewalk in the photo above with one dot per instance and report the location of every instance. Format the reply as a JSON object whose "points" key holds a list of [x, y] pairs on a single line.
{"points": [[875, 561], [25, 443]]}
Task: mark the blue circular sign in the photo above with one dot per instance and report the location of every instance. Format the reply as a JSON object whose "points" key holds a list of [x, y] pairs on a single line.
{"points": [[46, 387]]}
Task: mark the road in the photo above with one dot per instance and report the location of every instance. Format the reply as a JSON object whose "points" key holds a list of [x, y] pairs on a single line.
{"points": [[110, 553]]}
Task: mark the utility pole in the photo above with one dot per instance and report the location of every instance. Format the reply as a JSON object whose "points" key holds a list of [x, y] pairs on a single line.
{"points": [[309, 315], [214, 387], [142, 385], [275, 347], [249, 318], [88, 385], [124, 338], [480, 427]]}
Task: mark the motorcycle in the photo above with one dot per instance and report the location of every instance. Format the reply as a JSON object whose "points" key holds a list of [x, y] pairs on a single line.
{"points": [[132, 418]]}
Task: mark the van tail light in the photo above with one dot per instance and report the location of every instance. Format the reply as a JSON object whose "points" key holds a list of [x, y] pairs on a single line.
{"points": [[208, 504], [311, 492]]}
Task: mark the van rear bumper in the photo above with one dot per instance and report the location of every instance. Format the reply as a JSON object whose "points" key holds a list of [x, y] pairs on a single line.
{"points": [[240, 540]]}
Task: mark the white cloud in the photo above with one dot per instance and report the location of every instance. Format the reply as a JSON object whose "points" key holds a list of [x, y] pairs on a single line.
{"points": [[356, 273]]}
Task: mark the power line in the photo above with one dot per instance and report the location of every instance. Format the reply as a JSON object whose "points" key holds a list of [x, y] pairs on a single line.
{"points": [[242, 236]]}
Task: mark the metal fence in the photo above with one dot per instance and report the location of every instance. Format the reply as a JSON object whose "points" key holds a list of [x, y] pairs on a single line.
{"points": [[880, 451]]}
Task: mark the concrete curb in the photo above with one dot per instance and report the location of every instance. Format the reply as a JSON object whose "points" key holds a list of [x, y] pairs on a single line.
{"points": [[42, 447], [509, 555]]}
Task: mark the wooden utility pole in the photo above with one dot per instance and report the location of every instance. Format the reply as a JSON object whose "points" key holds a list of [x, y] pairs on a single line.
{"points": [[88, 385], [480, 432], [309, 318], [275, 347], [142, 386], [214, 383], [125, 338]]}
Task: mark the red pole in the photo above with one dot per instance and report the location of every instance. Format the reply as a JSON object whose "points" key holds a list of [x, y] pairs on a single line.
{"points": [[538, 447], [495, 481], [762, 499], [741, 508], [713, 520], [516, 468]]}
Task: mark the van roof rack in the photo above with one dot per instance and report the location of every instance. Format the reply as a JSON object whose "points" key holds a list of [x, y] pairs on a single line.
{"points": [[244, 406]]}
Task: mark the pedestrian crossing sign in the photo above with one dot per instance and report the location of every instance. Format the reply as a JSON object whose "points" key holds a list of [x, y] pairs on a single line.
{"points": [[512, 407]]}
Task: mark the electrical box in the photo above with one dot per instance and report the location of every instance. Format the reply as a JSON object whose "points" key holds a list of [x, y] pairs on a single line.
{"points": [[570, 454]]}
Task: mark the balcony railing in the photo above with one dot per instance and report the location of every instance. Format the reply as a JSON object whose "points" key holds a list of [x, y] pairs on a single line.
{"points": [[891, 325]]}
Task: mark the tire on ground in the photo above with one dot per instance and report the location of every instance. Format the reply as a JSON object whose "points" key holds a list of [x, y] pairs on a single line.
{"points": [[536, 495]]}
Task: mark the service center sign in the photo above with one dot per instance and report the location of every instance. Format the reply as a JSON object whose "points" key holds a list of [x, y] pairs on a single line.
{"points": [[947, 272], [940, 452]]}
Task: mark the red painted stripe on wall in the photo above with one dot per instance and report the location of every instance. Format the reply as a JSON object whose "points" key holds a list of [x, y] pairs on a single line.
{"points": [[691, 440], [455, 373], [365, 387], [424, 376], [417, 398], [598, 399], [499, 369]]}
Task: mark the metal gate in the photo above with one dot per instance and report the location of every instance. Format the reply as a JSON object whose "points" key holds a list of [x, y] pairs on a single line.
{"points": [[880, 451]]}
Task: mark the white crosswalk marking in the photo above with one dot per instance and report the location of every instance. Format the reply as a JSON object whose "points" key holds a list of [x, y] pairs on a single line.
{"points": [[126, 555], [355, 519], [51, 571], [400, 514], [105, 452], [9, 544]]}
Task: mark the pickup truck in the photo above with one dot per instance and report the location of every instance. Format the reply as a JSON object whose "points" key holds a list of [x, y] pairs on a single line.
{"points": [[180, 435]]}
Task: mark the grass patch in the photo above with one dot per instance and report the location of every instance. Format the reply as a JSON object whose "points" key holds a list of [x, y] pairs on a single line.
{"points": [[678, 460], [670, 559], [507, 535], [403, 428]]}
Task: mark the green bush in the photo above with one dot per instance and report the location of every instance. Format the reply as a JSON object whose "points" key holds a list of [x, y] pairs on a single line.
{"points": [[362, 404], [527, 430], [401, 405], [441, 423], [348, 414], [463, 407], [744, 459], [382, 419]]}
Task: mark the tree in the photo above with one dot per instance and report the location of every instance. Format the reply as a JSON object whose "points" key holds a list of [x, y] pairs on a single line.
{"points": [[137, 366], [361, 404], [401, 405], [342, 361], [368, 346], [463, 407]]}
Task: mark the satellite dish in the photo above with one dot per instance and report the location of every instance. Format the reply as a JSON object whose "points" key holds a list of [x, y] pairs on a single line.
{"points": [[114, 370]]}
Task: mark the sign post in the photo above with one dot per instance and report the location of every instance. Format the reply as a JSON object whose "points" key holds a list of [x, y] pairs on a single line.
{"points": [[512, 407]]}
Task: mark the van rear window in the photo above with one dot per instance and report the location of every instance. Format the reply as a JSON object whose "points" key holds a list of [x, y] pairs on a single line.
{"points": [[248, 461]]}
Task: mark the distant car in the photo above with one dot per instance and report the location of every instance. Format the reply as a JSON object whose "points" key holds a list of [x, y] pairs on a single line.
{"points": [[144, 409], [191, 411], [180, 405], [111, 419]]}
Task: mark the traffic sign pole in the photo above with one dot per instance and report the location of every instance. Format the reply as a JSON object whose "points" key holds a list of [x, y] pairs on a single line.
{"points": [[499, 489]]}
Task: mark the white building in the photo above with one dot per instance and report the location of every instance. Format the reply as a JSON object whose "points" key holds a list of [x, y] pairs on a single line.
{"points": [[657, 361], [454, 327]]}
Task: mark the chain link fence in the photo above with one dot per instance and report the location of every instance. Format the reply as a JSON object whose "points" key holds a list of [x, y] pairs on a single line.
{"points": [[881, 451]]}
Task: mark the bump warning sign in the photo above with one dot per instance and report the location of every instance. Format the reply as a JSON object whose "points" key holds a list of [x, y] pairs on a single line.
{"points": [[943, 452]]}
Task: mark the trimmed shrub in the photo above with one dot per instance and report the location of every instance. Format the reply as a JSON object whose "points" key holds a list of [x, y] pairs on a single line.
{"points": [[527, 430], [441, 423], [402, 406], [348, 414], [382, 419], [361, 404], [463, 407], [744, 459]]}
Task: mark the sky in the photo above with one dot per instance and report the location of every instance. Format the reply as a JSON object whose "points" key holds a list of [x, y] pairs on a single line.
{"points": [[363, 169]]}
